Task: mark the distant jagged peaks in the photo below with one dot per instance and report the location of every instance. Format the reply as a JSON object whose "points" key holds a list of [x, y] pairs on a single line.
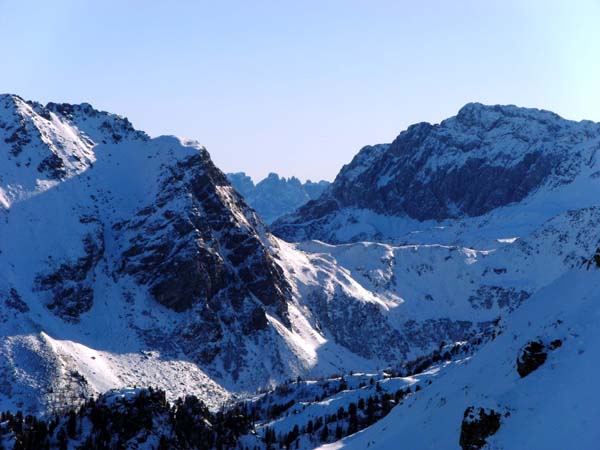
{"points": [[482, 159], [275, 196], [242, 182]]}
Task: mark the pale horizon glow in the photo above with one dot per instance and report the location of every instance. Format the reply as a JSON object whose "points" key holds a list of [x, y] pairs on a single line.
{"points": [[297, 88]]}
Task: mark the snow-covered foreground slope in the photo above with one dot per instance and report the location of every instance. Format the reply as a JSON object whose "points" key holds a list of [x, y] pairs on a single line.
{"points": [[532, 386], [553, 407]]}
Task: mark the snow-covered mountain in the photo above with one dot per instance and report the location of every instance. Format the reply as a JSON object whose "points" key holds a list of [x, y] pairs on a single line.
{"points": [[275, 196], [131, 261], [118, 250], [127, 260], [487, 168], [521, 187]]}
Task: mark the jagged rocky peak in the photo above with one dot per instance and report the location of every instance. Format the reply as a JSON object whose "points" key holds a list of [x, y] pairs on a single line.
{"points": [[10, 101], [215, 248], [100, 126], [484, 158], [272, 177], [42, 145], [97, 126]]}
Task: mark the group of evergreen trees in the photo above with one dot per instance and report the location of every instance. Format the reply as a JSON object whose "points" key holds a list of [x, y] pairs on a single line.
{"points": [[115, 423], [145, 418], [343, 422]]}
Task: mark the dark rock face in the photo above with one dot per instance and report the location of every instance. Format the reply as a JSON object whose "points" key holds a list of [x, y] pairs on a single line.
{"points": [[71, 284], [18, 139], [595, 260], [532, 357], [478, 424], [351, 324], [14, 301], [534, 354], [258, 321], [17, 134], [53, 166], [203, 246], [444, 329], [504, 298], [202, 251], [484, 158]]}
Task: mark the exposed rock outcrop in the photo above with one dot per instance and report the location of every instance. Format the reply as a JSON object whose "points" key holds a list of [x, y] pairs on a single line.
{"points": [[534, 354], [478, 424]]}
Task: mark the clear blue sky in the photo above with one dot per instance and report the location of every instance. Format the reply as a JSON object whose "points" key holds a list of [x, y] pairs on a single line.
{"points": [[297, 87]]}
